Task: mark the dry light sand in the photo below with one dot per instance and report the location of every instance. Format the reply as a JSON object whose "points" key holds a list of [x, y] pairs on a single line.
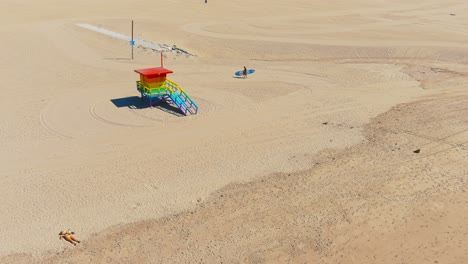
{"points": [[309, 160]]}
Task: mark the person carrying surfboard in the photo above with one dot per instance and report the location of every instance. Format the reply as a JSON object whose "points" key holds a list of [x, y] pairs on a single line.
{"points": [[244, 72]]}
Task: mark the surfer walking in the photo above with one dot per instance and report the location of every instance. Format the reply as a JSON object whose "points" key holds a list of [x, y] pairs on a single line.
{"points": [[244, 72]]}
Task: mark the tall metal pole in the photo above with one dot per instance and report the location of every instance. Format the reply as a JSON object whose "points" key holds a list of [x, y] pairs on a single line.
{"points": [[132, 40], [161, 59]]}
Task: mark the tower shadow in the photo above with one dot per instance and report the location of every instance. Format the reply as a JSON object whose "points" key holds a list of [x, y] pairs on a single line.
{"points": [[135, 102]]}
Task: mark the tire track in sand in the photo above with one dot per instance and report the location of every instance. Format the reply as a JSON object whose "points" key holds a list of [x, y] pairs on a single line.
{"points": [[45, 124], [92, 112]]}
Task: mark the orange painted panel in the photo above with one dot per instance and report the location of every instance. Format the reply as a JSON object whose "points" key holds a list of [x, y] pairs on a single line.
{"points": [[153, 79], [153, 85]]}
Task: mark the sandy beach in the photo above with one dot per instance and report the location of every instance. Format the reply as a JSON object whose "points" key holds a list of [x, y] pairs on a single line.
{"points": [[349, 144]]}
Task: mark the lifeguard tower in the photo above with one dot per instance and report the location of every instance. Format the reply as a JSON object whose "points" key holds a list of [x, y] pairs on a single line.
{"points": [[154, 86]]}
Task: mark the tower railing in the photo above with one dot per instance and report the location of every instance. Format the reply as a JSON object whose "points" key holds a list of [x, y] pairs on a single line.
{"points": [[174, 88]]}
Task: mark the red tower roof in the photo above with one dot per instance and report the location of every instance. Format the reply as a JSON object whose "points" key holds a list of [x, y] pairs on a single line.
{"points": [[153, 71]]}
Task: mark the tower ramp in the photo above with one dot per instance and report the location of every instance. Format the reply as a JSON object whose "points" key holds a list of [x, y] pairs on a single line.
{"points": [[180, 98]]}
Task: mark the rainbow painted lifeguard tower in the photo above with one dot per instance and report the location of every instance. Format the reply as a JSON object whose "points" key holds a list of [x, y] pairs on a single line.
{"points": [[154, 86]]}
